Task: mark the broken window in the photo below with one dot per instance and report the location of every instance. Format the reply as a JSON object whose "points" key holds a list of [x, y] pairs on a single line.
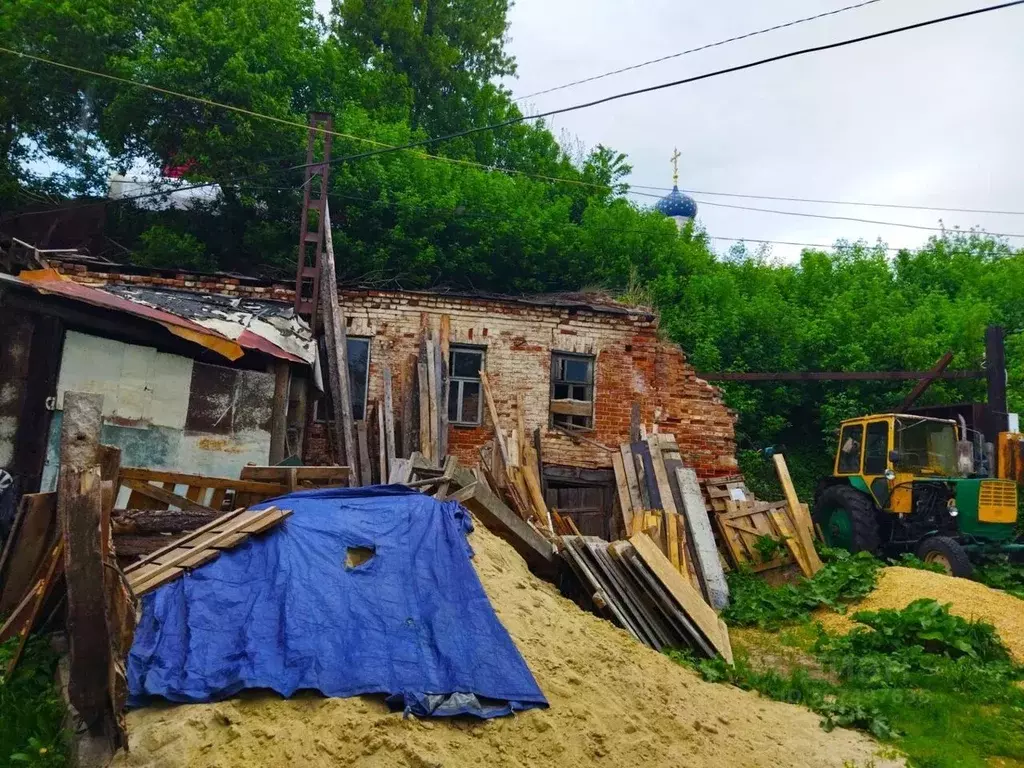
{"points": [[572, 391], [465, 405], [358, 348]]}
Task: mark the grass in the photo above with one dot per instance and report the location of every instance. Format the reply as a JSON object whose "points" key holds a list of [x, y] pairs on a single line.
{"points": [[31, 710], [940, 689]]}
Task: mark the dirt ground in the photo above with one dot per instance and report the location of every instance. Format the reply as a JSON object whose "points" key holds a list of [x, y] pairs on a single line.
{"points": [[613, 703], [898, 587]]}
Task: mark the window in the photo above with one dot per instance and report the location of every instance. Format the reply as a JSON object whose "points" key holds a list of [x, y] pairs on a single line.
{"points": [[358, 379], [572, 391], [876, 448], [849, 449], [464, 401]]}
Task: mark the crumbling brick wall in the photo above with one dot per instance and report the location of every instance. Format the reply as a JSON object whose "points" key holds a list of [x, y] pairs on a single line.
{"points": [[632, 364]]}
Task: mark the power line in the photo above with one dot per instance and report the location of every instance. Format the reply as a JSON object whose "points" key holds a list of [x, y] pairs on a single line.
{"points": [[695, 50], [828, 216], [903, 206], [683, 81]]}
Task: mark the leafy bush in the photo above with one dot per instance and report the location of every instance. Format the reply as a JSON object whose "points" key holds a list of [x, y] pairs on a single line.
{"points": [[844, 578], [924, 625], [999, 573], [31, 710]]}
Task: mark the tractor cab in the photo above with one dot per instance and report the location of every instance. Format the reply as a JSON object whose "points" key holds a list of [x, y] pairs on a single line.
{"points": [[907, 483]]}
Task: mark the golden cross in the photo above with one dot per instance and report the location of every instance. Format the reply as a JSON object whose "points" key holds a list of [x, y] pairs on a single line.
{"points": [[675, 166]]}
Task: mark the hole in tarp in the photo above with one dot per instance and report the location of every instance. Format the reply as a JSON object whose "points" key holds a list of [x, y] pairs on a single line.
{"points": [[356, 556]]}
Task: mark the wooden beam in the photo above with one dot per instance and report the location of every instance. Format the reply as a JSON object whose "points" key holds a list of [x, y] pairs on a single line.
{"points": [[492, 409], [164, 496], [424, 409], [408, 426], [337, 350], [924, 383], [834, 375], [389, 421], [802, 521], [995, 373], [432, 401], [364, 455], [572, 407], [699, 526], [382, 446], [279, 412]]}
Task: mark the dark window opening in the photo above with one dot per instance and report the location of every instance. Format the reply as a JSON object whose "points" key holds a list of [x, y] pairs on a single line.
{"points": [[572, 391], [358, 379], [876, 448], [849, 449], [465, 402]]}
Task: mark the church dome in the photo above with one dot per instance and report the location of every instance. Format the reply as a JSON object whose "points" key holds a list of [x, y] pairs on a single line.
{"points": [[675, 203]]}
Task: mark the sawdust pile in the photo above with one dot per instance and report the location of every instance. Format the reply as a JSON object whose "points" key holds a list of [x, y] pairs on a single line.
{"points": [[613, 703], [898, 587]]}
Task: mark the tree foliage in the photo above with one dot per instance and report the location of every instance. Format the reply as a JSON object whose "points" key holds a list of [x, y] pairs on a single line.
{"points": [[394, 72]]}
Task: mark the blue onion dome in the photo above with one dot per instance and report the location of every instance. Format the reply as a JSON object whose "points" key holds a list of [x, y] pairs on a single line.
{"points": [[675, 203]]}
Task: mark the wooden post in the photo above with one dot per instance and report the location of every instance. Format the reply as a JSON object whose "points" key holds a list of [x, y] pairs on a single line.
{"points": [[424, 409], [382, 445], [389, 421], [337, 354], [409, 428], [364, 455], [995, 373], [279, 412], [79, 509]]}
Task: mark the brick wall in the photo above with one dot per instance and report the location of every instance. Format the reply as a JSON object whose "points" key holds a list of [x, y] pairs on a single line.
{"points": [[632, 364]]}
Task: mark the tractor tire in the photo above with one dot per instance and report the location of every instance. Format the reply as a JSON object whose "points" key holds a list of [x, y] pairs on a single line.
{"points": [[948, 553], [848, 519]]}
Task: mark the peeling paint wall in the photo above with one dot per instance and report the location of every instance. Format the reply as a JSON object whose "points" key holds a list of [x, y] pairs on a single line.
{"points": [[166, 411]]}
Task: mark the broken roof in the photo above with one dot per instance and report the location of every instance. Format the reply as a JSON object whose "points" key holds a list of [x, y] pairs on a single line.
{"points": [[227, 325]]}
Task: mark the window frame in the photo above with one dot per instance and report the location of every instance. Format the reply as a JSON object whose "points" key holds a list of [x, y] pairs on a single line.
{"points": [[860, 449], [883, 456], [456, 384], [589, 389]]}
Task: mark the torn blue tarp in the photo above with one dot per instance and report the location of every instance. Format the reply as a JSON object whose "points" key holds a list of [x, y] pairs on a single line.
{"points": [[285, 611]]}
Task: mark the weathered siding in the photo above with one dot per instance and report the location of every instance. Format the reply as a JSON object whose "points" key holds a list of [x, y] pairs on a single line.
{"points": [[167, 411]]}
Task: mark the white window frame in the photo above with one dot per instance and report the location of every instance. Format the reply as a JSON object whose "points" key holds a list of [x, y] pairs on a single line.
{"points": [[455, 385]]}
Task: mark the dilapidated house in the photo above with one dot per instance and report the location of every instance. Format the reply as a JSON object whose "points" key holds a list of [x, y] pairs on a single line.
{"points": [[205, 373]]}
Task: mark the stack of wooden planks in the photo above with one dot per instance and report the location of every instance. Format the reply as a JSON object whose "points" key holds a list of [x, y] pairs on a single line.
{"points": [[761, 535], [634, 585], [660, 497]]}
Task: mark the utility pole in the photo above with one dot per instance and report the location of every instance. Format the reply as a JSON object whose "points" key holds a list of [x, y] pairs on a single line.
{"points": [[311, 227], [995, 374]]}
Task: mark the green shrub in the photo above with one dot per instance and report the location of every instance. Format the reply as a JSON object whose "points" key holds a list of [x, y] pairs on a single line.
{"points": [[31, 710], [909, 560]]}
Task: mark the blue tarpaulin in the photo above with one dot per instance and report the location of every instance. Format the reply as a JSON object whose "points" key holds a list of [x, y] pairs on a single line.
{"points": [[284, 611]]}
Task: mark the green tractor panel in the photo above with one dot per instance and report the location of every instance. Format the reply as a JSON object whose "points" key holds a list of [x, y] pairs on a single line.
{"points": [[905, 483]]}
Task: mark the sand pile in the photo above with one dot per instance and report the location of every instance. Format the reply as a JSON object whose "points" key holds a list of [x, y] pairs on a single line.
{"points": [[613, 703], [898, 587]]}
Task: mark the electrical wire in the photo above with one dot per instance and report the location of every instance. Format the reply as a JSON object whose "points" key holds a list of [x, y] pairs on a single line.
{"points": [[830, 217], [902, 206], [695, 50], [684, 81]]}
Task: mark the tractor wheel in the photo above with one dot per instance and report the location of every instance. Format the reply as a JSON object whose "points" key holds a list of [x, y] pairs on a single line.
{"points": [[948, 553], [847, 518]]}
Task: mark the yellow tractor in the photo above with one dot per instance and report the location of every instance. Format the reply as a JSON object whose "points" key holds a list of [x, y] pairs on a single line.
{"points": [[905, 483]]}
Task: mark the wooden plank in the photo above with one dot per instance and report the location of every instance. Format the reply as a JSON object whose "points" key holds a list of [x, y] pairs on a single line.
{"points": [[572, 407], [279, 411], [424, 410], [399, 471], [668, 503], [699, 526], [593, 582], [622, 488], [442, 401], [337, 348], [689, 600], [204, 549], [246, 484], [389, 420], [164, 496], [382, 446], [444, 336], [636, 500], [177, 542], [432, 401], [29, 546], [788, 535], [734, 543], [634, 423], [365, 478], [277, 477], [521, 426], [27, 613], [409, 428], [645, 475], [492, 410], [804, 527], [672, 541]]}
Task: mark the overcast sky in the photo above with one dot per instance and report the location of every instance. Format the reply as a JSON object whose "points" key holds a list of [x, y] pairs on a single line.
{"points": [[930, 117]]}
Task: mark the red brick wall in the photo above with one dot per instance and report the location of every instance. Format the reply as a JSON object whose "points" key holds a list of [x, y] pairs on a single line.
{"points": [[632, 365]]}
